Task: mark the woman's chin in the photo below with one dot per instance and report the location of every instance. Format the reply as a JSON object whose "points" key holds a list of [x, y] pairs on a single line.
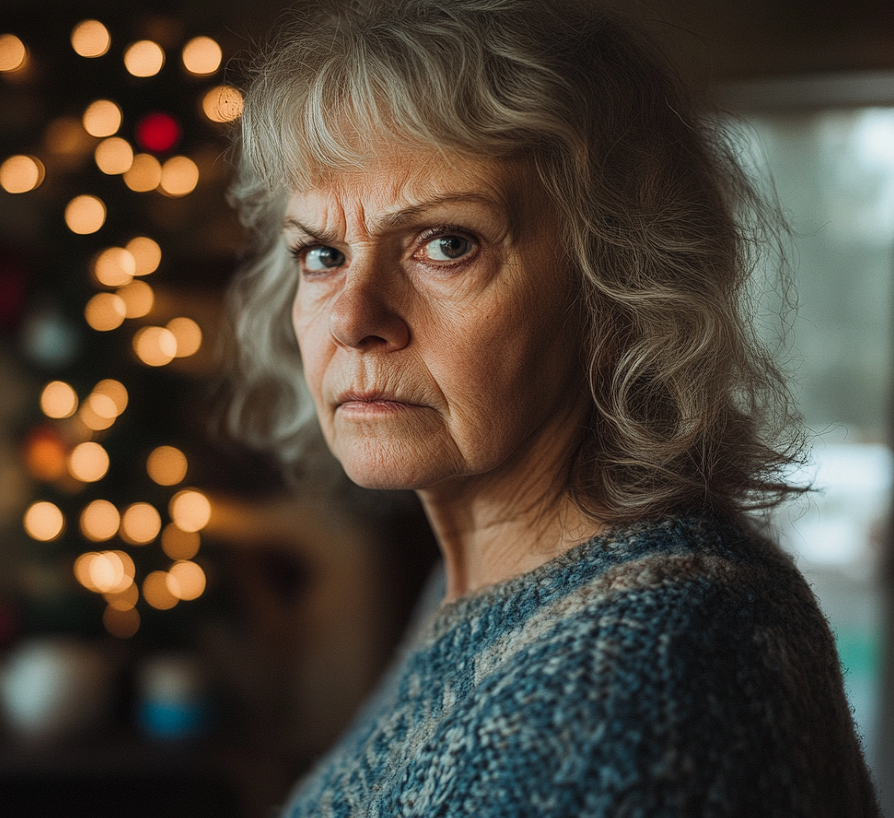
{"points": [[391, 476]]}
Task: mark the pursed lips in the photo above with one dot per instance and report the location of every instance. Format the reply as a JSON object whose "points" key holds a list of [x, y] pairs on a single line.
{"points": [[372, 400]]}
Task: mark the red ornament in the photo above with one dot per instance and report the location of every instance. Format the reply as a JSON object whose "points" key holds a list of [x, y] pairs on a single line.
{"points": [[158, 132]]}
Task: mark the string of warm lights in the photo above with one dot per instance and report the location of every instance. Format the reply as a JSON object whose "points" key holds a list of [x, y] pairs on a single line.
{"points": [[69, 447]]}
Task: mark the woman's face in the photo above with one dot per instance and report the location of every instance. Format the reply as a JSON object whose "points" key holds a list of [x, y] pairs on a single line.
{"points": [[434, 316]]}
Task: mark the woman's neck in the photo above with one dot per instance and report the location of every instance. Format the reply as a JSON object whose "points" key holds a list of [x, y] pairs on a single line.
{"points": [[496, 526]]}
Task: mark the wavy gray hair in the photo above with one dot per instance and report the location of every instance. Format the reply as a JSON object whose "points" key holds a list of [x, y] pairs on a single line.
{"points": [[664, 228]]}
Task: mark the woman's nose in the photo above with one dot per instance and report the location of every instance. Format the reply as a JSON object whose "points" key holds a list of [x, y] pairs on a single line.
{"points": [[366, 315]]}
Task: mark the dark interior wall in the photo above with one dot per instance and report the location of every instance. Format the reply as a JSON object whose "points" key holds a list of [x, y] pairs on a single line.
{"points": [[711, 40], [720, 40]]}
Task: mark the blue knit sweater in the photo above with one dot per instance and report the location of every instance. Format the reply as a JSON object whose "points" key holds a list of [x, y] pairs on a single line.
{"points": [[665, 670]]}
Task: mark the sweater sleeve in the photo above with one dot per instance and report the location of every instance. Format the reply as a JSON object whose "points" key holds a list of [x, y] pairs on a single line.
{"points": [[690, 697]]}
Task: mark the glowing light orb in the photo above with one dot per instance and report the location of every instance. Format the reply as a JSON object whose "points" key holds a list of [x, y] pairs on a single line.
{"points": [[44, 521], [179, 544], [188, 334], [13, 53], [222, 104], [104, 572], [115, 390], [179, 176], [147, 253], [85, 214], [123, 600], [21, 174], [90, 38], [140, 523], [190, 510], [113, 156], [92, 419], [114, 267], [144, 173], [102, 118], [157, 132], [45, 454], [167, 465], [105, 312], [88, 462], [201, 56], [99, 411], [58, 400], [155, 346], [144, 58], [156, 591], [186, 580], [138, 298], [121, 624], [100, 521]]}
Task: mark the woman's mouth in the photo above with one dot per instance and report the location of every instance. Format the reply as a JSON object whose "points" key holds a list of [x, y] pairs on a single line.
{"points": [[372, 403]]}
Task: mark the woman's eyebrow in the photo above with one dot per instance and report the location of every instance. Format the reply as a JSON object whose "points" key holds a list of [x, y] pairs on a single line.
{"points": [[292, 225], [407, 214], [398, 218]]}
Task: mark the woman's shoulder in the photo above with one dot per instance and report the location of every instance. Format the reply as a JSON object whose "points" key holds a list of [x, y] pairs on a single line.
{"points": [[692, 660]]}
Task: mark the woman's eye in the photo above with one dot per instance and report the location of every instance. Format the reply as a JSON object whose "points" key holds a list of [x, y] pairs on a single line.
{"points": [[317, 259], [447, 248]]}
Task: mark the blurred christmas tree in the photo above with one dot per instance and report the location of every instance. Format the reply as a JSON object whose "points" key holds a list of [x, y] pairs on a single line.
{"points": [[114, 246]]}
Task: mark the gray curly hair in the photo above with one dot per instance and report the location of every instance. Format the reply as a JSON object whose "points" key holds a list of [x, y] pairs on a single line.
{"points": [[660, 221]]}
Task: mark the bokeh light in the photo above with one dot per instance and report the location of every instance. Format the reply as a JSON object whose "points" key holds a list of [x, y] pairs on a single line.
{"points": [[85, 214], [99, 411], [65, 137], [222, 103], [21, 174], [167, 465], [147, 254], [115, 390], [92, 419], [179, 544], [100, 521], [144, 58], [45, 453], [201, 56], [188, 335], [123, 600], [88, 462], [90, 38], [140, 523], [144, 173], [155, 346], [102, 118], [44, 521], [113, 156], [104, 572], [190, 510], [156, 591], [186, 580], [179, 176], [13, 53], [157, 132], [138, 299], [114, 267], [58, 400], [105, 312], [121, 623]]}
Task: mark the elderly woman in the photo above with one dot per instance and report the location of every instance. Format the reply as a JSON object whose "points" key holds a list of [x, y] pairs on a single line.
{"points": [[512, 257]]}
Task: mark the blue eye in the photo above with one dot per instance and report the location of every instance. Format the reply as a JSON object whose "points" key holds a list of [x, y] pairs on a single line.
{"points": [[448, 248], [317, 259]]}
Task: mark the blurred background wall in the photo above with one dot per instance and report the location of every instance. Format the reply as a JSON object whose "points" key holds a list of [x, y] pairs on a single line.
{"points": [[182, 631]]}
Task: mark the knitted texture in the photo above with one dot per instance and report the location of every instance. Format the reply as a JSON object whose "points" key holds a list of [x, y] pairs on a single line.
{"points": [[674, 669]]}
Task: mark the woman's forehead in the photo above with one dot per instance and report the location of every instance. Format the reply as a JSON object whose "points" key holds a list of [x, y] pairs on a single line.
{"points": [[397, 183]]}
